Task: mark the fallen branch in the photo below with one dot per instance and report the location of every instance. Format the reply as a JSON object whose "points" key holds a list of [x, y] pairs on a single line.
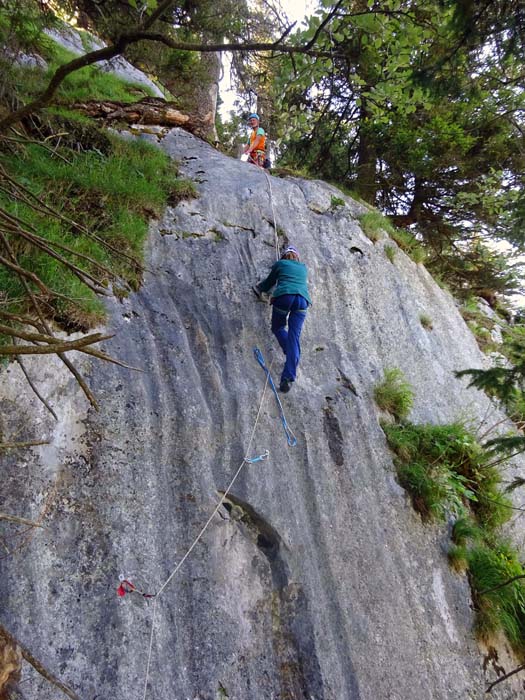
{"points": [[52, 342], [150, 110], [38, 666], [39, 337]]}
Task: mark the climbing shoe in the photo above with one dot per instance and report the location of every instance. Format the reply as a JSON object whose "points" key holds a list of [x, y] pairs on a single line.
{"points": [[285, 386]]}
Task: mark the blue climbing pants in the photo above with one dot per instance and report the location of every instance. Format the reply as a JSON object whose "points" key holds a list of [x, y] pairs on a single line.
{"points": [[289, 308]]}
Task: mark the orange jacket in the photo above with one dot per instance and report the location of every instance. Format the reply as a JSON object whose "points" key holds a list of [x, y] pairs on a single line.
{"points": [[258, 133]]}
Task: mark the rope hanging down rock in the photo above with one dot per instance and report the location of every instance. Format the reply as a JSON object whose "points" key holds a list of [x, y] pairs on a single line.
{"points": [[247, 460], [277, 253], [290, 437]]}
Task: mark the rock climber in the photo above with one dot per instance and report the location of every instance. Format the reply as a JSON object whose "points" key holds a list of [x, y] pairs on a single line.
{"points": [[255, 149], [290, 301]]}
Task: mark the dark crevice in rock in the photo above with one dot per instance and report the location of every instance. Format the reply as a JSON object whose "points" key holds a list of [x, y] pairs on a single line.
{"points": [[296, 659], [346, 382], [333, 433]]}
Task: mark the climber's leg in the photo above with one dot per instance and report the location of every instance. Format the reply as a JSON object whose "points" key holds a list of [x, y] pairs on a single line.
{"points": [[293, 351], [280, 310]]}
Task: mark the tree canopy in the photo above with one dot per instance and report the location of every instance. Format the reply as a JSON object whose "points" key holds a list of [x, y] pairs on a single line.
{"points": [[419, 110]]}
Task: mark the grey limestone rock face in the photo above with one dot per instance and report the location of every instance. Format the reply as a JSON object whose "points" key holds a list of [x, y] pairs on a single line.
{"points": [[316, 580]]}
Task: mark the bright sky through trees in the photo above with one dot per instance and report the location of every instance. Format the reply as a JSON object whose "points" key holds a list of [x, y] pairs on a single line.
{"points": [[295, 10]]}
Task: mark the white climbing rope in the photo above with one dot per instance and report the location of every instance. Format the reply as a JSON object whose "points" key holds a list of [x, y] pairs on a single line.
{"points": [[246, 460], [277, 254]]}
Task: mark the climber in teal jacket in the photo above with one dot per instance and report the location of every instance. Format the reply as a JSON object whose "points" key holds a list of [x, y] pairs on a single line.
{"points": [[290, 300]]}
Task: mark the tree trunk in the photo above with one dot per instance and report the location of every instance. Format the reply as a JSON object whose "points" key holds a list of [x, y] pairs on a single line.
{"points": [[366, 184]]}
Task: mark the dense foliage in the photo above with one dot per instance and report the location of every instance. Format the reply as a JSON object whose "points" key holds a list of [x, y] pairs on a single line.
{"points": [[420, 110]]}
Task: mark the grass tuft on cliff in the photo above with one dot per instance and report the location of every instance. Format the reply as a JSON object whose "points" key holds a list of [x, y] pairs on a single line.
{"points": [[111, 195], [375, 225], [394, 394], [432, 464], [448, 473], [497, 579]]}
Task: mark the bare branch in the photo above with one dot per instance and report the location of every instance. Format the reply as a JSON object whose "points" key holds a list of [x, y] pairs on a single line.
{"points": [[504, 678], [122, 42], [45, 208], [502, 585], [28, 275], [323, 24], [88, 393], [56, 347], [38, 666], [15, 518], [33, 387], [44, 244]]}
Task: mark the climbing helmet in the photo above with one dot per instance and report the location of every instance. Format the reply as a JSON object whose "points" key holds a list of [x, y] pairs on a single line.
{"points": [[290, 249]]}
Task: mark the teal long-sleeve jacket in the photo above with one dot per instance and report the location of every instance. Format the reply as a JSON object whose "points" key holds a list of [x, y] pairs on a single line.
{"points": [[290, 276]]}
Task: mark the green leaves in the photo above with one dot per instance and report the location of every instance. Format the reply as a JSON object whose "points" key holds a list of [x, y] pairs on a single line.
{"points": [[416, 120]]}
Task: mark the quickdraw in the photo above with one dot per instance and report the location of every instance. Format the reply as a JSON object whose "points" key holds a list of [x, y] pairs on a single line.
{"points": [[127, 586]]}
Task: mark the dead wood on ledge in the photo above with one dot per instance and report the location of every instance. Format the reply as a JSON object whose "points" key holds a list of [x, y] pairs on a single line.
{"points": [[150, 110]]}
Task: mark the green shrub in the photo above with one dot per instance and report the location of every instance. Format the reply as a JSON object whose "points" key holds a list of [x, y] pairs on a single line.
{"points": [[337, 202], [516, 408], [394, 394], [418, 254], [458, 558], [375, 225], [492, 508], [434, 465], [465, 529], [446, 471], [408, 243], [490, 565]]}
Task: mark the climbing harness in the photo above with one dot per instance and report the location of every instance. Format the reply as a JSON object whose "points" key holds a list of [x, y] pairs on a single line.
{"points": [[258, 159], [290, 437]]}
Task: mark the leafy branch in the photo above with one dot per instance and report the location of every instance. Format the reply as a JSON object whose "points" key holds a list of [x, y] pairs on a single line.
{"points": [[141, 34]]}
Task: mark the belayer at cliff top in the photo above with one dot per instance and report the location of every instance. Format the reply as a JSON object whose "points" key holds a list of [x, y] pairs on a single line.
{"points": [[255, 148]]}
